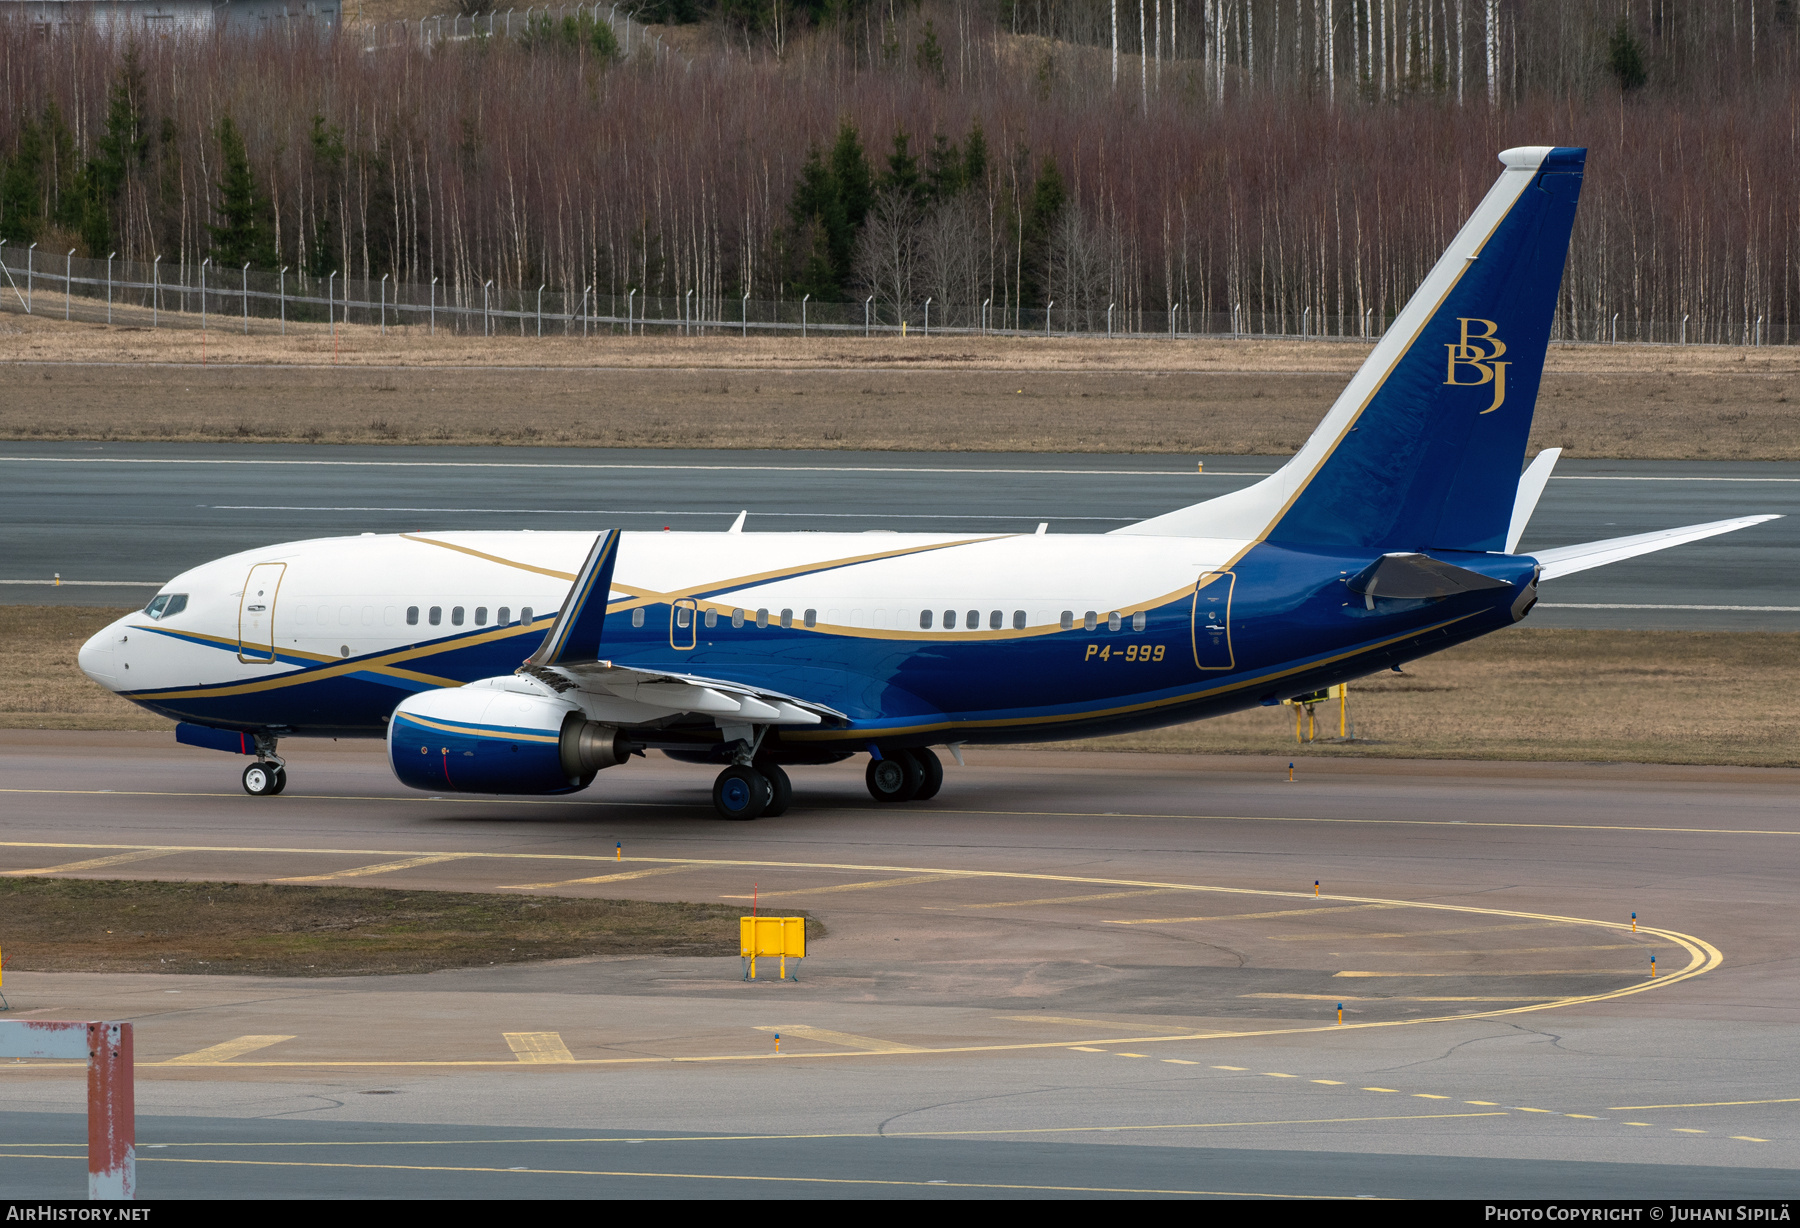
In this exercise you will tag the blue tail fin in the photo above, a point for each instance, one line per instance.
(1424, 447)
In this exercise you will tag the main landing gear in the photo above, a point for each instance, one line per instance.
(754, 791)
(268, 775)
(905, 776)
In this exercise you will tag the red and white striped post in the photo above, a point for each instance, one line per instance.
(112, 1100)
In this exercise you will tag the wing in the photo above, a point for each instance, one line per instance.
(635, 695)
(1566, 560)
(569, 662)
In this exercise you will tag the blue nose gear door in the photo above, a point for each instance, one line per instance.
(1212, 620)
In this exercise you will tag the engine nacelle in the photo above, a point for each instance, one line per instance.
(490, 738)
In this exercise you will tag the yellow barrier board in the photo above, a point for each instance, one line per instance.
(782, 938)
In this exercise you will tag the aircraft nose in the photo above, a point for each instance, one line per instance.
(96, 658)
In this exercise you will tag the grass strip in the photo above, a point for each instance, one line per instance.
(264, 929)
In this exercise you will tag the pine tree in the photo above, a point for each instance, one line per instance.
(21, 187)
(247, 235)
(1625, 57)
(121, 149)
(902, 174)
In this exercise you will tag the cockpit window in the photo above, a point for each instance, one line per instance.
(164, 604)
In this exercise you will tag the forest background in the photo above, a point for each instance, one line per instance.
(1282, 157)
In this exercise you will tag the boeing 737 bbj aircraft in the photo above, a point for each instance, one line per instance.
(1389, 536)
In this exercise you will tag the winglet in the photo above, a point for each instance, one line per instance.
(1531, 489)
(575, 636)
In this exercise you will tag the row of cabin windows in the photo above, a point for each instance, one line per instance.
(435, 615)
(996, 619)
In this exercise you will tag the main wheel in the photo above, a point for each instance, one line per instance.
(262, 779)
(741, 793)
(781, 790)
(934, 774)
(280, 779)
(894, 778)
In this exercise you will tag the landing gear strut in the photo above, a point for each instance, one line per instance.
(268, 775)
(904, 776)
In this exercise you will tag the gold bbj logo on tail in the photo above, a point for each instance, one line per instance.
(1475, 354)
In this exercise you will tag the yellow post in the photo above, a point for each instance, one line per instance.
(619, 851)
(1653, 967)
(1344, 710)
(1297, 708)
(1340, 1014)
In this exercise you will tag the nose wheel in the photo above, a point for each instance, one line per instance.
(264, 779)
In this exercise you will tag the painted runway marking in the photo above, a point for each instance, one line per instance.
(867, 1044)
(538, 1048)
(1748, 609)
(936, 876)
(1338, 997)
(1344, 934)
(386, 867)
(725, 514)
(215, 1055)
(1704, 1104)
(1526, 972)
(95, 863)
(641, 468)
(1249, 916)
(1061, 899)
(653, 872)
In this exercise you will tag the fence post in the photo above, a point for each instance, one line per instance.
(1759, 330)
(28, 263)
(687, 313)
(585, 291)
(866, 305)
(434, 282)
(1109, 311)
(540, 311)
(985, 304)
(69, 282)
(630, 299)
(109, 260)
(155, 288)
(1048, 308)
(803, 299)
(1173, 312)
(246, 293)
(1613, 336)
(203, 265)
(330, 312)
(746, 304)
(281, 297)
(1306, 323)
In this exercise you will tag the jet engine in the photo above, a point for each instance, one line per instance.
(498, 736)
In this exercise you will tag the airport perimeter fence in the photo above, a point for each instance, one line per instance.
(163, 294)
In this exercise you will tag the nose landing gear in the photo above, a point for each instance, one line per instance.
(268, 775)
(263, 779)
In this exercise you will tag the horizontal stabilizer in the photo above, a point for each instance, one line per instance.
(1531, 489)
(575, 636)
(1415, 576)
(1566, 560)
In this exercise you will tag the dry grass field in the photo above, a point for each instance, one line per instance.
(265, 929)
(1632, 696)
(91, 381)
